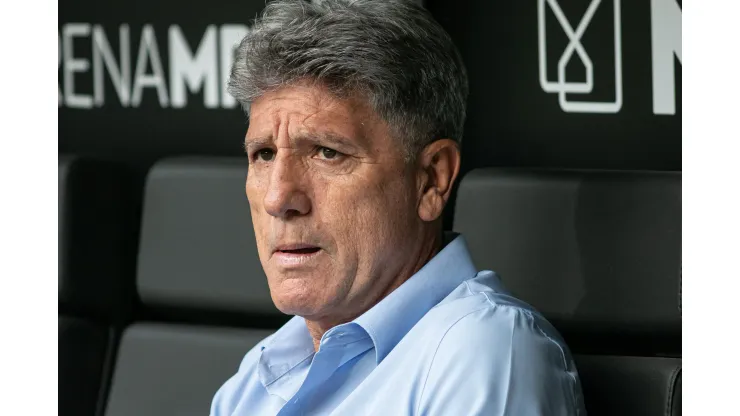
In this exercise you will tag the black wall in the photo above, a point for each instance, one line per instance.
(512, 120)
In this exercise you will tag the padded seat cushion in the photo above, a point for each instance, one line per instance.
(591, 250)
(198, 247)
(174, 370)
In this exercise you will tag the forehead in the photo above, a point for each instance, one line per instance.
(312, 109)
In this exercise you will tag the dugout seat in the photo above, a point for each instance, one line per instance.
(197, 259)
(599, 254)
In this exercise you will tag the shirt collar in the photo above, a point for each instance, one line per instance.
(386, 323)
(390, 319)
(289, 346)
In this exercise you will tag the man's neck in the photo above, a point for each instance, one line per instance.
(432, 246)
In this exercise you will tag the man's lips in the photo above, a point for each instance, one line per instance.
(291, 256)
(296, 248)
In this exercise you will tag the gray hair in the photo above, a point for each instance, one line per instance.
(391, 51)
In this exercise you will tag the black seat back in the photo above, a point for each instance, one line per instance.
(197, 259)
(599, 253)
(594, 251)
(198, 246)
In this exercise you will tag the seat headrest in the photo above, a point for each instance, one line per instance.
(589, 249)
(198, 248)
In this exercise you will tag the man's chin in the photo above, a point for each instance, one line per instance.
(297, 305)
(302, 294)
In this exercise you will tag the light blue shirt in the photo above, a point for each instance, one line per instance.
(449, 341)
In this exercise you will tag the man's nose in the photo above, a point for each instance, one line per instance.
(286, 196)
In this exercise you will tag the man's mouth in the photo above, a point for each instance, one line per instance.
(304, 250)
(296, 255)
(297, 248)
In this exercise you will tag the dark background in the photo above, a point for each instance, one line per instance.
(511, 120)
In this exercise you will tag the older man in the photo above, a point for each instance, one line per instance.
(356, 111)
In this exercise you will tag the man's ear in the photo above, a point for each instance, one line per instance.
(438, 164)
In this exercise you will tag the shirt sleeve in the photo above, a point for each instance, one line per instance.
(500, 361)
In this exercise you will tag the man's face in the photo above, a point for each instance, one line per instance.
(334, 205)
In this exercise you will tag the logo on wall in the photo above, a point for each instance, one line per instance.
(665, 17)
(575, 47)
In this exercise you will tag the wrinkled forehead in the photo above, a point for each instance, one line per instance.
(301, 110)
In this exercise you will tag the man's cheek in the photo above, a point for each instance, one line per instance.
(262, 243)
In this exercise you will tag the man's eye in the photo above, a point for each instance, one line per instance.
(265, 154)
(327, 153)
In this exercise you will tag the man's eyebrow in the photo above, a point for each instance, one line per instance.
(256, 142)
(328, 139)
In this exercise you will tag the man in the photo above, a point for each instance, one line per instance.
(356, 111)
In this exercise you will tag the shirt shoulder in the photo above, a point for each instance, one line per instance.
(497, 354)
(485, 296)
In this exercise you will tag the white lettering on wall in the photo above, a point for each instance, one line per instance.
(229, 36)
(193, 71)
(666, 40)
(103, 58)
(148, 52)
(73, 65)
(206, 69)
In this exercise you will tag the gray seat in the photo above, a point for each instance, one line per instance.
(98, 209)
(197, 244)
(197, 256)
(599, 253)
(174, 370)
(591, 250)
